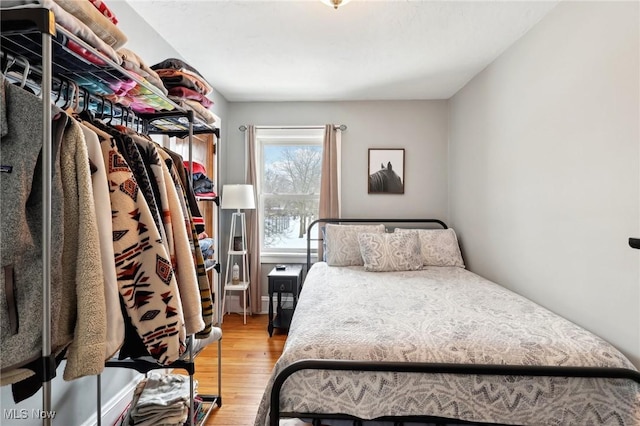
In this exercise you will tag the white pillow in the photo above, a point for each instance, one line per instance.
(439, 247)
(390, 252)
(342, 243)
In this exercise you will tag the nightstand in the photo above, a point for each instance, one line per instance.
(288, 280)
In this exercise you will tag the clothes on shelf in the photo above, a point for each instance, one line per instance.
(160, 399)
(102, 26)
(182, 92)
(127, 272)
(80, 28)
(104, 9)
(207, 246)
(186, 87)
(127, 275)
(202, 185)
(132, 62)
(197, 107)
(183, 68)
(93, 24)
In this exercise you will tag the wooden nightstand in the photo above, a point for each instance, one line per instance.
(288, 280)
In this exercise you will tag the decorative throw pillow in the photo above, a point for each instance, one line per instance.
(439, 247)
(342, 243)
(390, 252)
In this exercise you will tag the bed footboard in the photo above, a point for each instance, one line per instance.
(417, 367)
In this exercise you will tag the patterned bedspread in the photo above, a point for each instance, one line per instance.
(447, 315)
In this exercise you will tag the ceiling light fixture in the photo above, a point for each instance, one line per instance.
(335, 3)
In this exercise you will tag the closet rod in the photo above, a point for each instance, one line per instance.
(341, 127)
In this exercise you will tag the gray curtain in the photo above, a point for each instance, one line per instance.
(330, 177)
(253, 228)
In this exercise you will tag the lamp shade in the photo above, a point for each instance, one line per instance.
(238, 197)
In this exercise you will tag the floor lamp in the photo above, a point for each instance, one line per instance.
(238, 197)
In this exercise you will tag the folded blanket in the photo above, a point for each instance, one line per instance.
(201, 112)
(68, 22)
(102, 8)
(132, 62)
(96, 21)
(186, 93)
(179, 78)
(176, 64)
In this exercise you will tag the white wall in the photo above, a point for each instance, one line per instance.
(152, 48)
(545, 167)
(420, 127)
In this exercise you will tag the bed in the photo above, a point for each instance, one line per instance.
(437, 344)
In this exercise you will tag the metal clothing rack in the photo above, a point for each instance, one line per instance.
(33, 35)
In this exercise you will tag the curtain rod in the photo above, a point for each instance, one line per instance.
(341, 127)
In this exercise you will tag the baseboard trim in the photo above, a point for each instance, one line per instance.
(112, 409)
(233, 303)
(265, 303)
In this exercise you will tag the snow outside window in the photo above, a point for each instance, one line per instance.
(290, 162)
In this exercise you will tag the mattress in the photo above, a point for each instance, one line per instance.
(443, 315)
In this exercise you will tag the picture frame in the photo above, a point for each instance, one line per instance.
(237, 243)
(386, 171)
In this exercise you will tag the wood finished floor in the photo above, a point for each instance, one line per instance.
(248, 356)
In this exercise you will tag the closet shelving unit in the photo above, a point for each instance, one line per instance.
(32, 35)
(207, 155)
(165, 123)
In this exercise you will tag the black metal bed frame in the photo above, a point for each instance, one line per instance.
(335, 220)
(417, 367)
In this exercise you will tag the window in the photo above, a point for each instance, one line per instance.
(290, 163)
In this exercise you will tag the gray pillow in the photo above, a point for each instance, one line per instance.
(343, 248)
(390, 252)
(439, 247)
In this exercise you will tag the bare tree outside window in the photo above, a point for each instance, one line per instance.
(290, 194)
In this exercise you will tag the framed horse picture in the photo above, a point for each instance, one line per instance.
(386, 171)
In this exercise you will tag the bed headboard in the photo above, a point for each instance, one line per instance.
(389, 223)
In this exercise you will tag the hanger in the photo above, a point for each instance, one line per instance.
(26, 68)
(68, 97)
(74, 99)
(110, 109)
(85, 99)
(17, 76)
(59, 94)
(8, 65)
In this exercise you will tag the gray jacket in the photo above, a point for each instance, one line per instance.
(21, 228)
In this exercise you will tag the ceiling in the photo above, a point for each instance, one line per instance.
(303, 50)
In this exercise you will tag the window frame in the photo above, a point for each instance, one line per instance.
(282, 137)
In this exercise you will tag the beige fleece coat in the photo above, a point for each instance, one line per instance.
(81, 258)
(115, 320)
